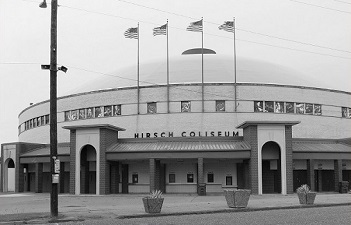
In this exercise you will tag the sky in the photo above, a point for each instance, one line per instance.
(312, 37)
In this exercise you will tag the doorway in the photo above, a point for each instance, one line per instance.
(88, 170)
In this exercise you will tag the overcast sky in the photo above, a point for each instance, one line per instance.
(311, 37)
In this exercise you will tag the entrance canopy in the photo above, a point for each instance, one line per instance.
(179, 148)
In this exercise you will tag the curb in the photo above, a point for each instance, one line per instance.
(230, 210)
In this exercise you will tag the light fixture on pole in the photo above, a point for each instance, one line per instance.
(43, 4)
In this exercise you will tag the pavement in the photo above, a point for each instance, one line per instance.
(34, 208)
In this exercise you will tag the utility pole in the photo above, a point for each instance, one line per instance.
(54, 161)
(53, 108)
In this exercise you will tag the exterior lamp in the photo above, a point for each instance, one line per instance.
(43, 4)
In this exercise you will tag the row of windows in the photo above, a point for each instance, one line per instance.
(93, 112)
(345, 112)
(189, 178)
(288, 107)
(37, 122)
(116, 110)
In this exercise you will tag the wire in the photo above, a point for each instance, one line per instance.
(253, 32)
(323, 7)
(343, 2)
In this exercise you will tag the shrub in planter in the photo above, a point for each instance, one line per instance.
(237, 198)
(153, 203)
(306, 196)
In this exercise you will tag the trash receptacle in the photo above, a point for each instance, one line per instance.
(343, 186)
(201, 189)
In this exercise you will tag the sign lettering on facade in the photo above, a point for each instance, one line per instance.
(187, 134)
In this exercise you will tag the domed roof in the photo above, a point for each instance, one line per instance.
(187, 69)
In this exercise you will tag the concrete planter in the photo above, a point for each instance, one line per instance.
(152, 205)
(307, 198)
(237, 198)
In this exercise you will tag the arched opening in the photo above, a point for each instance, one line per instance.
(9, 175)
(88, 170)
(271, 168)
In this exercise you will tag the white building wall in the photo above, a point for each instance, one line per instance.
(181, 169)
(329, 125)
(220, 170)
(142, 169)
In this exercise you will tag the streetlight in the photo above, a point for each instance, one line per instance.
(54, 162)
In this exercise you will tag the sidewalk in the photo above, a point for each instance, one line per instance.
(35, 208)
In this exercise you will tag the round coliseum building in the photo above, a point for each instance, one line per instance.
(271, 132)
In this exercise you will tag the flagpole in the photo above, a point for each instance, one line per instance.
(167, 71)
(138, 72)
(202, 64)
(235, 84)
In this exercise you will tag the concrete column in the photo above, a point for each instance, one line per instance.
(337, 173)
(39, 177)
(152, 167)
(310, 174)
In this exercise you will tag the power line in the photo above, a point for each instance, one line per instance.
(343, 2)
(244, 30)
(319, 6)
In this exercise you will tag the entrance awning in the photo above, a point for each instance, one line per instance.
(320, 149)
(41, 155)
(180, 148)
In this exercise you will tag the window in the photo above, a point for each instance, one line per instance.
(108, 111)
(344, 112)
(151, 107)
(90, 113)
(190, 178)
(99, 111)
(74, 115)
(185, 106)
(135, 178)
(220, 106)
(317, 109)
(309, 108)
(42, 120)
(289, 107)
(269, 106)
(210, 177)
(300, 108)
(47, 119)
(171, 177)
(228, 180)
(279, 107)
(34, 122)
(258, 106)
(116, 110)
(82, 114)
(38, 121)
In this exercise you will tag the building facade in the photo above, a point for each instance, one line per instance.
(179, 139)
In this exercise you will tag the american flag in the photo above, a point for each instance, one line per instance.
(131, 33)
(227, 26)
(162, 30)
(195, 26)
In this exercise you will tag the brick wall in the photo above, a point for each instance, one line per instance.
(289, 159)
(72, 173)
(107, 138)
(250, 136)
